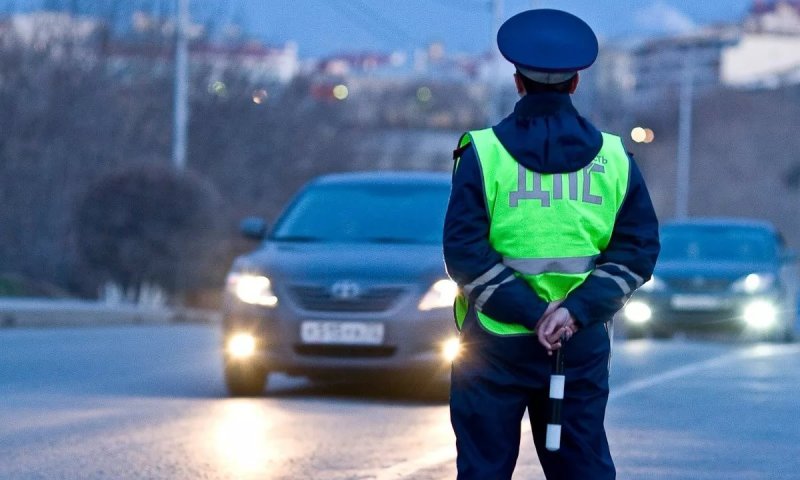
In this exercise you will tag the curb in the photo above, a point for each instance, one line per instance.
(41, 313)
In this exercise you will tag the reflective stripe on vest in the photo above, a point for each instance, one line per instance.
(535, 266)
(549, 228)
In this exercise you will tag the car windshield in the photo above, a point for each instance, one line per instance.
(721, 243)
(375, 213)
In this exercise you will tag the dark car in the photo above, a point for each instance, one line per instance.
(718, 274)
(350, 280)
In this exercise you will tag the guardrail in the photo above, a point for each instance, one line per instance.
(36, 312)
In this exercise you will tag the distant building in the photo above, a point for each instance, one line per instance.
(432, 62)
(361, 63)
(613, 69)
(762, 60)
(261, 62)
(53, 31)
(774, 16)
(768, 54)
(762, 52)
(148, 44)
(656, 66)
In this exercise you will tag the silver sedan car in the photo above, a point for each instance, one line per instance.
(350, 280)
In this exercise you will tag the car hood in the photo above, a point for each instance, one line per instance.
(716, 269)
(322, 262)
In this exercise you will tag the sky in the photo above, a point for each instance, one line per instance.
(323, 27)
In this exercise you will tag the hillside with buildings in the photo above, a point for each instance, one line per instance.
(85, 99)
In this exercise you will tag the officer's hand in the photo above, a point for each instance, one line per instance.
(551, 307)
(553, 327)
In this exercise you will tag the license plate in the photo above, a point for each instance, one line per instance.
(696, 302)
(341, 333)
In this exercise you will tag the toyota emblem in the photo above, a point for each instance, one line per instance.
(698, 282)
(345, 290)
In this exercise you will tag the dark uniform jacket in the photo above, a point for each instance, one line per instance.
(547, 135)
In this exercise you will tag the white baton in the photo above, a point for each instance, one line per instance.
(557, 380)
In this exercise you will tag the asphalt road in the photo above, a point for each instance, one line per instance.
(148, 402)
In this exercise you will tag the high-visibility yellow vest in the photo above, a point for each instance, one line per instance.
(549, 228)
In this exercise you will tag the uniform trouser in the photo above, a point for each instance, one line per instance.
(490, 392)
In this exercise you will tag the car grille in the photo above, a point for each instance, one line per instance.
(695, 284)
(319, 299)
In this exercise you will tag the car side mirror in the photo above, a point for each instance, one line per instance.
(254, 228)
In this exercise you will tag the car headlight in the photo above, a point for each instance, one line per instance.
(754, 283)
(760, 314)
(655, 284)
(638, 312)
(441, 294)
(251, 288)
(451, 348)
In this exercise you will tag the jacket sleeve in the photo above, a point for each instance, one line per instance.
(490, 286)
(626, 264)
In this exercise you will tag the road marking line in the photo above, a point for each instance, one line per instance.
(692, 368)
(407, 469)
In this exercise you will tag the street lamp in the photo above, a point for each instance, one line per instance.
(181, 102)
(684, 159)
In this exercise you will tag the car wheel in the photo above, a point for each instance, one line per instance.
(788, 334)
(663, 334)
(778, 335)
(635, 333)
(244, 380)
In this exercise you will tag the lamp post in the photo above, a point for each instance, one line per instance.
(181, 110)
(684, 138)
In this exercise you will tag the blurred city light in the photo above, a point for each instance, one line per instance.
(642, 135)
(340, 92)
(638, 134)
(218, 88)
(259, 96)
(424, 94)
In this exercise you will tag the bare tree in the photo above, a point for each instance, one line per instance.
(149, 225)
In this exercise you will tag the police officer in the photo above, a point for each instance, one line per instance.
(549, 230)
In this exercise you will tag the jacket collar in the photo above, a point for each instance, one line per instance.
(543, 104)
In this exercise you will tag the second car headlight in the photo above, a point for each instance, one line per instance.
(252, 288)
(638, 312)
(754, 283)
(760, 314)
(441, 294)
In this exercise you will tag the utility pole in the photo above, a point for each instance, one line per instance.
(497, 20)
(685, 138)
(181, 110)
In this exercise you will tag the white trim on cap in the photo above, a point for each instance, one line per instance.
(546, 77)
